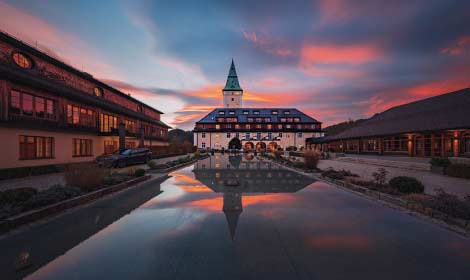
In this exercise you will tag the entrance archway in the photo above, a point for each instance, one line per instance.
(249, 146)
(272, 146)
(235, 143)
(260, 146)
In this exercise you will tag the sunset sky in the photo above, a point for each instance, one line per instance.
(331, 59)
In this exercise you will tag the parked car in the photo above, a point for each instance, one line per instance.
(125, 157)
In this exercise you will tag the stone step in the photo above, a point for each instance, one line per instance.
(388, 163)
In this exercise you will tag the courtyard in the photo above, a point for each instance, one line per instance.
(233, 217)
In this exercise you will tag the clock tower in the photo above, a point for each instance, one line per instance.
(232, 91)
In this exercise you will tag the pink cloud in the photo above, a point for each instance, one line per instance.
(462, 45)
(270, 45)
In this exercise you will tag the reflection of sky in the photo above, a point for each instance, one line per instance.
(334, 59)
(319, 232)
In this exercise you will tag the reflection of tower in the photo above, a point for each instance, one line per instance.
(232, 209)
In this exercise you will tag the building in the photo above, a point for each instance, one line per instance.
(52, 113)
(436, 126)
(237, 176)
(255, 128)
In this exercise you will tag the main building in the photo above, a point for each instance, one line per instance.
(255, 128)
(52, 113)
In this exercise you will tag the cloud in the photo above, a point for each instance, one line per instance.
(462, 45)
(53, 41)
(276, 47)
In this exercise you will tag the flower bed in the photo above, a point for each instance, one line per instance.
(80, 180)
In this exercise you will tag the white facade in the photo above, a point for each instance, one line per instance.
(232, 99)
(219, 140)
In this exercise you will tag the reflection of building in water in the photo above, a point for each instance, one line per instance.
(235, 175)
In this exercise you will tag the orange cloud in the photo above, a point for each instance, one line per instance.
(269, 45)
(462, 45)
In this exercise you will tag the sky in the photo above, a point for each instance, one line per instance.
(333, 59)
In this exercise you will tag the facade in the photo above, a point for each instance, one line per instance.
(255, 128)
(52, 113)
(436, 126)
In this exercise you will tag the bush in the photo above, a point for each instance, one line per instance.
(139, 172)
(15, 196)
(440, 162)
(333, 174)
(380, 176)
(299, 164)
(291, 149)
(406, 184)
(450, 204)
(278, 154)
(87, 177)
(311, 159)
(458, 170)
(151, 164)
(51, 195)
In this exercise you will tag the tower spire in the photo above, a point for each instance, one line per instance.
(232, 79)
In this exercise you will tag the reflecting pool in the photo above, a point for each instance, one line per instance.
(236, 217)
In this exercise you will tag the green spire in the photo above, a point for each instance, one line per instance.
(232, 79)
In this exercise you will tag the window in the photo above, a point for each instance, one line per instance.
(231, 112)
(247, 126)
(203, 135)
(140, 109)
(286, 112)
(245, 112)
(232, 99)
(82, 147)
(258, 135)
(273, 112)
(80, 116)
(280, 135)
(22, 60)
(228, 135)
(299, 126)
(107, 123)
(221, 112)
(30, 105)
(110, 147)
(237, 126)
(98, 92)
(237, 135)
(270, 135)
(247, 136)
(130, 126)
(299, 135)
(296, 119)
(250, 119)
(217, 126)
(267, 119)
(36, 147)
(288, 126)
(279, 126)
(256, 112)
(269, 126)
(203, 145)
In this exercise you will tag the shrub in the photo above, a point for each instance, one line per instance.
(440, 162)
(151, 164)
(406, 184)
(15, 196)
(299, 164)
(458, 170)
(333, 174)
(87, 177)
(380, 176)
(49, 196)
(311, 159)
(278, 154)
(450, 204)
(139, 172)
(291, 149)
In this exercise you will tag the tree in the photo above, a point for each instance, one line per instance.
(235, 143)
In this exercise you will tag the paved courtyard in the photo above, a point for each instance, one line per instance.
(431, 181)
(43, 182)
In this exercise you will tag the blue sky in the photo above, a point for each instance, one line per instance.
(332, 59)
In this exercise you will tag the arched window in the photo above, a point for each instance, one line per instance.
(22, 60)
(98, 91)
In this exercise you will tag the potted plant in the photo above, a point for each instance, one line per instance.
(439, 164)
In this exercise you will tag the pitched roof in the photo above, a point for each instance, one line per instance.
(446, 111)
(244, 113)
(232, 79)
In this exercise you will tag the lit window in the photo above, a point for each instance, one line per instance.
(269, 126)
(221, 112)
(245, 112)
(22, 60)
(217, 126)
(256, 112)
(231, 112)
(274, 112)
(98, 91)
(286, 112)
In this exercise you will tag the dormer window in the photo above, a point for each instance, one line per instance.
(140, 109)
(245, 112)
(286, 112)
(231, 112)
(98, 92)
(256, 112)
(221, 112)
(274, 112)
(22, 60)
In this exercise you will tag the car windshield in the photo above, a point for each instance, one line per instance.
(126, 152)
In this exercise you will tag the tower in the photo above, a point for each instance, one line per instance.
(232, 91)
